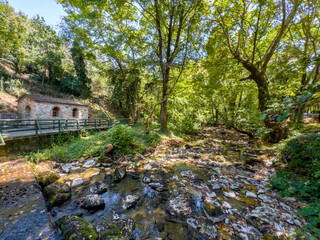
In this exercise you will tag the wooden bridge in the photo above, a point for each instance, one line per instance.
(17, 128)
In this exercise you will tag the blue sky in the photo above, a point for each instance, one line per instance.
(50, 10)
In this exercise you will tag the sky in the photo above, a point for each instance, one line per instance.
(50, 10)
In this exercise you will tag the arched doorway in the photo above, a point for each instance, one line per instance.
(75, 113)
(27, 112)
(55, 112)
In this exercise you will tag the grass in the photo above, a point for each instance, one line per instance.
(90, 145)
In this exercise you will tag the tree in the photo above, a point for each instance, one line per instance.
(80, 67)
(173, 27)
(253, 32)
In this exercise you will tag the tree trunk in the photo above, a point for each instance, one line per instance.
(163, 111)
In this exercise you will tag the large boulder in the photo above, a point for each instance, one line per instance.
(75, 228)
(117, 229)
(91, 202)
(57, 193)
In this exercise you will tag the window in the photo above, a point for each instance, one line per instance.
(55, 112)
(75, 113)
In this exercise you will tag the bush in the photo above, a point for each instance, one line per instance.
(302, 154)
(122, 138)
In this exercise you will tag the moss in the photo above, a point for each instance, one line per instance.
(86, 231)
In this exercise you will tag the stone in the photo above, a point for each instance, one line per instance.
(215, 186)
(89, 164)
(117, 229)
(91, 202)
(214, 213)
(261, 223)
(179, 206)
(130, 201)
(230, 194)
(77, 182)
(251, 194)
(99, 187)
(45, 174)
(57, 193)
(187, 174)
(107, 149)
(73, 227)
(226, 205)
(201, 229)
(147, 167)
(119, 174)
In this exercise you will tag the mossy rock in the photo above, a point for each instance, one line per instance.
(117, 229)
(45, 174)
(57, 193)
(74, 228)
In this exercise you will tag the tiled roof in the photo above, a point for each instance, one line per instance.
(39, 98)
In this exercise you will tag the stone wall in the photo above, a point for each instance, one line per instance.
(41, 110)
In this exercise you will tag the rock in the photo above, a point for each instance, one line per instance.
(73, 227)
(130, 201)
(57, 193)
(91, 202)
(77, 182)
(187, 174)
(108, 149)
(157, 186)
(215, 186)
(117, 229)
(251, 195)
(200, 229)
(147, 167)
(106, 160)
(99, 187)
(45, 174)
(179, 206)
(196, 156)
(214, 213)
(230, 194)
(266, 199)
(226, 205)
(261, 223)
(89, 164)
(119, 174)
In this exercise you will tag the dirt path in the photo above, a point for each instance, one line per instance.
(23, 214)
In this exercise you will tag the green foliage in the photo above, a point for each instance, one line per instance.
(122, 138)
(301, 179)
(304, 189)
(302, 153)
(126, 139)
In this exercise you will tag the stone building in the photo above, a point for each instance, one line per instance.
(41, 107)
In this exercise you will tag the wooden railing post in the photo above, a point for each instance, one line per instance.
(1, 125)
(95, 123)
(36, 126)
(59, 125)
(78, 124)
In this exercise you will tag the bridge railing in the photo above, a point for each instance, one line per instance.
(40, 126)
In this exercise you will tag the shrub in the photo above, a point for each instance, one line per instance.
(122, 138)
(302, 153)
